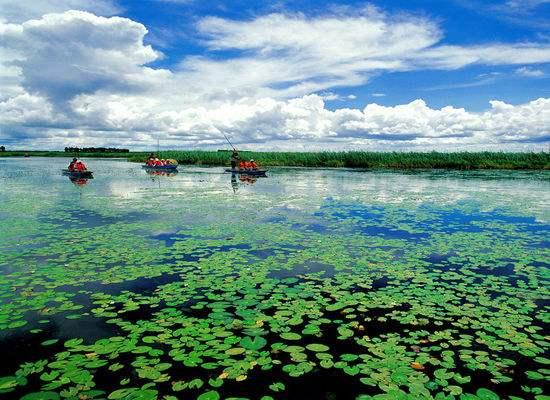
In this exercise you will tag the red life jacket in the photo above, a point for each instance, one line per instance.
(80, 166)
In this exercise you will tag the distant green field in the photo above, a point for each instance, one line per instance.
(351, 159)
(39, 153)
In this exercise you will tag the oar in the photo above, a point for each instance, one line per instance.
(229, 142)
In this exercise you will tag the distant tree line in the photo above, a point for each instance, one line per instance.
(95, 150)
(2, 148)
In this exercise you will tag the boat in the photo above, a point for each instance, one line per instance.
(250, 172)
(77, 174)
(167, 168)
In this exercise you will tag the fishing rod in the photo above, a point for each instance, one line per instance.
(229, 142)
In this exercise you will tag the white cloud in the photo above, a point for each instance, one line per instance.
(262, 122)
(530, 72)
(63, 55)
(78, 78)
(378, 95)
(524, 5)
(22, 10)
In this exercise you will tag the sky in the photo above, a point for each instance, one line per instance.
(301, 75)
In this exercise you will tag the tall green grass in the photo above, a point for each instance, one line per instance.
(349, 159)
(361, 159)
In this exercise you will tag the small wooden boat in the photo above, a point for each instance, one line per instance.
(167, 168)
(77, 174)
(250, 172)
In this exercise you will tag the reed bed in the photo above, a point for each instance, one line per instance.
(362, 159)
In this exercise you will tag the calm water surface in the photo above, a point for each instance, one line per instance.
(308, 284)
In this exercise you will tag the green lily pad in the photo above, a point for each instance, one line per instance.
(317, 347)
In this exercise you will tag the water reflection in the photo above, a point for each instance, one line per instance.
(79, 181)
(152, 172)
(119, 183)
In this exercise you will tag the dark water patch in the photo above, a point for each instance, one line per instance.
(140, 285)
(439, 259)
(230, 247)
(498, 270)
(24, 346)
(275, 219)
(392, 233)
(306, 268)
(380, 283)
(311, 227)
(263, 254)
(326, 384)
(453, 221)
(170, 239)
(539, 245)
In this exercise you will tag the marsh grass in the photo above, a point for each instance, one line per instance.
(360, 159)
(349, 159)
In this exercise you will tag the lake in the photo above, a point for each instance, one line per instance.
(307, 284)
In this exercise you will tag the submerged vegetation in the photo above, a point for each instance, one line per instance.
(350, 159)
(427, 290)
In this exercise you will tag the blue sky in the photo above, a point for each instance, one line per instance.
(288, 74)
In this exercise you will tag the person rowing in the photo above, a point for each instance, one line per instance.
(77, 166)
(235, 158)
(72, 164)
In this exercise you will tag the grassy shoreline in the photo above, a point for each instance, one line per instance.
(353, 159)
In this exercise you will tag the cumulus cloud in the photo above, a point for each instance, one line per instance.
(23, 10)
(63, 55)
(79, 78)
(261, 122)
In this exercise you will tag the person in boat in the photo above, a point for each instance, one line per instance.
(150, 160)
(242, 165)
(80, 166)
(72, 165)
(253, 165)
(235, 158)
(248, 165)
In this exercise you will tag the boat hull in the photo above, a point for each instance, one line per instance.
(254, 172)
(77, 174)
(171, 168)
